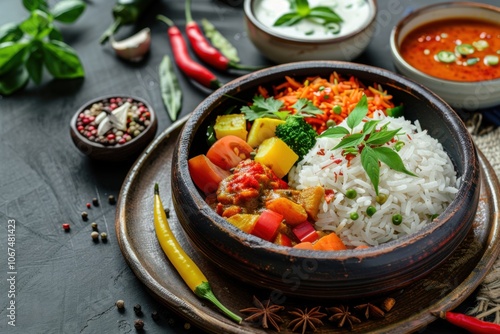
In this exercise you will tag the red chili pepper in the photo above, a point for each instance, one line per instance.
(204, 50)
(473, 325)
(188, 66)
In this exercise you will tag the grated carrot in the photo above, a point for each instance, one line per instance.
(327, 93)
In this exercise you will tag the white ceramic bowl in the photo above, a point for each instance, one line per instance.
(463, 95)
(284, 48)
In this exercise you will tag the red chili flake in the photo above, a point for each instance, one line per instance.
(65, 226)
(329, 195)
(321, 151)
(336, 176)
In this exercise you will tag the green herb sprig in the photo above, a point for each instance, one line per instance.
(300, 10)
(368, 143)
(271, 108)
(28, 46)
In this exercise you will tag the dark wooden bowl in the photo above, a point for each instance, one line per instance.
(127, 151)
(316, 274)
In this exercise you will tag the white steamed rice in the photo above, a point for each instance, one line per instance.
(415, 198)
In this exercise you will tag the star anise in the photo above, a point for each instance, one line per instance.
(370, 310)
(341, 315)
(265, 313)
(306, 319)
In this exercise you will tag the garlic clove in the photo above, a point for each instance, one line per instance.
(117, 119)
(133, 48)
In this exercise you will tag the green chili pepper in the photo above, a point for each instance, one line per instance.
(171, 92)
(491, 60)
(185, 266)
(125, 12)
(472, 61)
(219, 41)
(481, 44)
(464, 49)
(446, 57)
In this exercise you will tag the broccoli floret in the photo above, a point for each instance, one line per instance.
(297, 134)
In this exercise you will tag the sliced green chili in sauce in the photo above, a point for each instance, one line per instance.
(464, 49)
(491, 60)
(446, 57)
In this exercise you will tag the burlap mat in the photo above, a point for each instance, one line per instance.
(488, 297)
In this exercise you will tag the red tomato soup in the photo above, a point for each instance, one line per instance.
(456, 49)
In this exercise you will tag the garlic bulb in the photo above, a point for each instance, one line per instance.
(134, 47)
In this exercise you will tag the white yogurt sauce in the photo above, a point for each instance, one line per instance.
(354, 13)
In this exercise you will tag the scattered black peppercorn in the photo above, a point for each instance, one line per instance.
(95, 202)
(104, 236)
(94, 226)
(111, 199)
(139, 324)
(120, 304)
(155, 315)
(137, 309)
(94, 236)
(85, 215)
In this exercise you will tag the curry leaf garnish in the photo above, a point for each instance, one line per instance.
(300, 10)
(368, 142)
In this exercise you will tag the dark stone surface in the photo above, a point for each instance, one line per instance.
(65, 282)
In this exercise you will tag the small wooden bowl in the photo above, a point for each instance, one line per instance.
(316, 274)
(118, 152)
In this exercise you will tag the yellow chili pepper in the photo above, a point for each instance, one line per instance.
(185, 266)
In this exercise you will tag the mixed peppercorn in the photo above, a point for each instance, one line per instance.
(90, 122)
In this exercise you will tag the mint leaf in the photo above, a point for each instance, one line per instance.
(288, 19)
(326, 14)
(391, 159)
(358, 113)
(302, 7)
(369, 161)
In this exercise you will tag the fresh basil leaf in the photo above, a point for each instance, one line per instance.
(358, 113)
(335, 132)
(32, 5)
(381, 137)
(369, 126)
(170, 88)
(369, 161)
(391, 159)
(37, 25)
(34, 65)
(12, 55)
(61, 60)
(10, 32)
(302, 7)
(13, 80)
(55, 34)
(351, 141)
(288, 19)
(68, 11)
(219, 41)
(326, 14)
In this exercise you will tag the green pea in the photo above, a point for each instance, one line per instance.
(370, 211)
(381, 198)
(351, 193)
(354, 215)
(397, 219)
(337, 109)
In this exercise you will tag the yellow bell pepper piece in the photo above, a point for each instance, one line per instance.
(262, 128)
(275, 154)
(232, 124)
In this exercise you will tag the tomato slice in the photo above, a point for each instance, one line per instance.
(205, 174)
(228, 151)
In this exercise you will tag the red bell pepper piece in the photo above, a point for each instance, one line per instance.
(283, 240)
(305, 232)
(267, 225)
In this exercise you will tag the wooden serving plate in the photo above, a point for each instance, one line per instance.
(444, 289)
